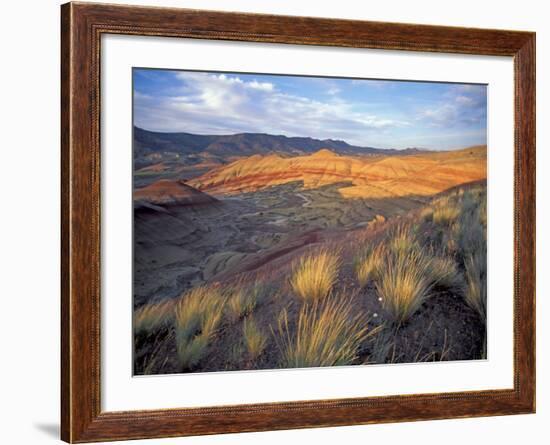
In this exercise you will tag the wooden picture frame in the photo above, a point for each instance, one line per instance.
(82, 25)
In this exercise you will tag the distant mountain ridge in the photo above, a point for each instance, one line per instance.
(152, 147)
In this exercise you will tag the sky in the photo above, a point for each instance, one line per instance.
(374, 113)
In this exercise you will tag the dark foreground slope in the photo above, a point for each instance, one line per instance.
(447, 230)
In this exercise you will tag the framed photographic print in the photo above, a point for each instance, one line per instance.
(275, 222)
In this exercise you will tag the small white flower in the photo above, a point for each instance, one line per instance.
(375, 315)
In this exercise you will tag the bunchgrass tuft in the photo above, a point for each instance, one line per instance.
(469, 238)
(157, 358)
(315, 274)
(243, 298)
(153, 317)
(211, 320)
(444, 273)
(402, 240)
(327, 333)
(197, 316)
(471, 232)
(446, 211)
(368, 264)
(241, 302)
(192, 350)
(254, 339)
(483, 212)
(405, 283)
(476, 282)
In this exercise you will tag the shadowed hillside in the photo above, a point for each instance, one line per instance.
(410, 288)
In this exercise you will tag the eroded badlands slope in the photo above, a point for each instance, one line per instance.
(379, 176)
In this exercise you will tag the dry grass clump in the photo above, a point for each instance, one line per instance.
(315, 274)
(476, 282)
(192, 350)
(402, 240)
(376, 221)
(369, 263)
(446, 211)
(472, 242)
(483, 212)
(157, 357)
(471, 232)
(406, 279)
(405, 283)
(241, 302)
(152, 317)
(197, 316)
(243, 299)
(327, 333)
(444, 272)
(254, 339)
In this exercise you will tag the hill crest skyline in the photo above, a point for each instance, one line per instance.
(329, 141)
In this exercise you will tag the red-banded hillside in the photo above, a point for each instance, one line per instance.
(378, 177)
(168, 192)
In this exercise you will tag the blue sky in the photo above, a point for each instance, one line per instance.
(377, 113)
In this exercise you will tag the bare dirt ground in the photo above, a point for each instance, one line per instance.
(183, 246)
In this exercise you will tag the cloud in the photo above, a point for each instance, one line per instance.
(383, 114)
(464, 100)
(462, 105)
(265, 86)
(210, 103)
